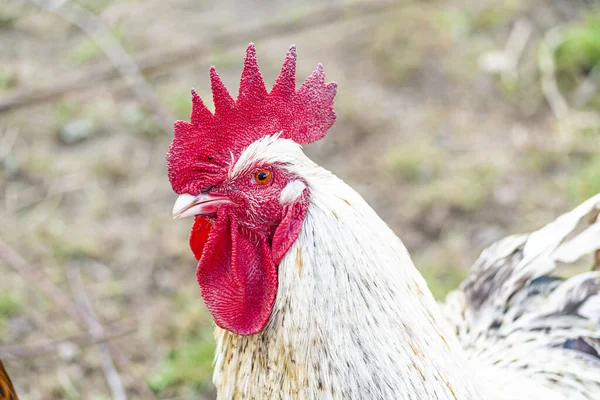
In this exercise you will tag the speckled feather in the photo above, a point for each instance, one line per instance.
(513, 313)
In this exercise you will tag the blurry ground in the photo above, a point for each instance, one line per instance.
(450, 153)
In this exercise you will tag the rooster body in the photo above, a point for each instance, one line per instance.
(354, 319)
(315, 297)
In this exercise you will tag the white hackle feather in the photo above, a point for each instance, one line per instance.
(291, 192)
(354, 319)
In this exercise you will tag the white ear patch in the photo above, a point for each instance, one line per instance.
(291, 192)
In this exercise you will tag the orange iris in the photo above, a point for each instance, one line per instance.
(262, 176)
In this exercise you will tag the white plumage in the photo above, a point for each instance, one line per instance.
(354, 319)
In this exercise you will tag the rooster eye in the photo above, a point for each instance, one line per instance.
(262, 176)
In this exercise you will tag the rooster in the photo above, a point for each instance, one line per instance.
(314, 296)
(7, 390)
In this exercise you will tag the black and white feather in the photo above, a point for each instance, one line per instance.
(516, 313)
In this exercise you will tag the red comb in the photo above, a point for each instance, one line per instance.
(201, 150)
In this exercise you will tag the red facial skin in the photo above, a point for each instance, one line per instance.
(240, 246)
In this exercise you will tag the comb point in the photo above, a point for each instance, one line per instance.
(201, 115)
(292, 51)
(252, 86)
(221, 97)
(285, 84)
(251, 50)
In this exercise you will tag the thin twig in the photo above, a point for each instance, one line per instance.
(154, 61)
(96, 330)
(93, 27)
(123, 362)
(555, 99)
(39, 279)
(34, 350)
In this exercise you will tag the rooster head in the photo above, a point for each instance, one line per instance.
(248, 209)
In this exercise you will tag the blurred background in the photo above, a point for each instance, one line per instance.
(459, 121)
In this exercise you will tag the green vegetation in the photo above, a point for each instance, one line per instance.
(94, 6)
(10, 304)
(578, 55)
(188, 366)
(580, 49)
(67, 111)
(180, 103)
(461, 23)
(189, 363)
(7, 80)
(9, 13)
(66, 245)
(224, 58)
(110, 168)
(64, 112)
(37, 163)
(584, 182)
(416, 162)
(441, 276)
(464, 190)
(85, 51)
(494, 15)
(544, 159)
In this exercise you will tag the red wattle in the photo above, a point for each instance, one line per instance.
(236, 274)
(237, 268)
(199, 235)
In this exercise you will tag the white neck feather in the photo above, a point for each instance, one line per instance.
(353, 318)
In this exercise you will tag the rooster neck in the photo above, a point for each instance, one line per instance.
(353, 318)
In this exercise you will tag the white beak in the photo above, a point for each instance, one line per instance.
(187, 205)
